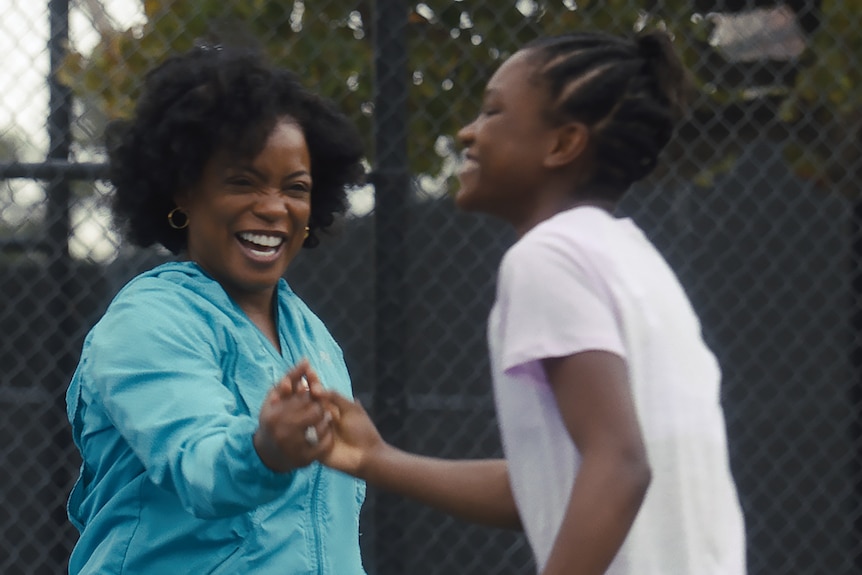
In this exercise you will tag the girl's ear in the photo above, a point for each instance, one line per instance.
(570, 142)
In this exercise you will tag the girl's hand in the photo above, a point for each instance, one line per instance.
(356, 443)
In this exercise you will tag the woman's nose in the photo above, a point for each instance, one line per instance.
(271, 205)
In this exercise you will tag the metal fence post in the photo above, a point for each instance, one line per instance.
(59, 129)
(856, 363)
(391, 180)
(58, 309)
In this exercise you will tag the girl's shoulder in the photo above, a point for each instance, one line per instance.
(579, 233)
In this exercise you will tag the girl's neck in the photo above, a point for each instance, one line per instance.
(547, 210)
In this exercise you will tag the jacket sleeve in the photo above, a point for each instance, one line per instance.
(155, 366)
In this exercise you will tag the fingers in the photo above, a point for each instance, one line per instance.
(337, 405)
(298, 370)
(315, 388)
(339, 401)
(301, 386)
(301, 413)
(325, 442)
(301, 378)
(293, 432)
(333, 412)
(321, 436)
(311, 379)
(297, 380)
(308, 411)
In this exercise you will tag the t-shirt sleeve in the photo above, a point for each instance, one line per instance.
(552, 302)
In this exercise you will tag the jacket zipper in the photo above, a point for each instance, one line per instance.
(287, 354)
(315, 524)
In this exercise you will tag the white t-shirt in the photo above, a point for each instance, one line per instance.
(584, 280)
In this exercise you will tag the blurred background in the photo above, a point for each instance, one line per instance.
(757, 206)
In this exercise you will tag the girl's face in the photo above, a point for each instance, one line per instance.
(505, 145)
(247, 218)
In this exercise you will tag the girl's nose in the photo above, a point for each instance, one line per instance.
(465, 134)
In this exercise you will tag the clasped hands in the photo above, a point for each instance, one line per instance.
(301, 421)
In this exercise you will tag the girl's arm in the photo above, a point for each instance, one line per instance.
(474, 490)
(594, 399)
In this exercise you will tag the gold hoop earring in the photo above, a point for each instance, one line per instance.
(172, 222)
(307, 232)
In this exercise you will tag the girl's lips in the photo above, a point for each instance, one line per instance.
(468, 165)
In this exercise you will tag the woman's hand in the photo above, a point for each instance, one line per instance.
(347, 438)
(290, 421)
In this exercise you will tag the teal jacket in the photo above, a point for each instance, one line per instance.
(163, 407)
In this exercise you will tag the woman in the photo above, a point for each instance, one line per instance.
(193, 462)
(607, 397)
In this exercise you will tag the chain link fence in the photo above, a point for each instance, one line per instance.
(757, 207)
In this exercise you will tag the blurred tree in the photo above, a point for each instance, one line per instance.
(22, 208)
(11, 213)
(810, 102)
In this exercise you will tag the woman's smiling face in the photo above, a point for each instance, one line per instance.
(247, 219)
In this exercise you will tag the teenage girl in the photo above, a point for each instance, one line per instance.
(607, 396)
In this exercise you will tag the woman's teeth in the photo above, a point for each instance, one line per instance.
(262, 240)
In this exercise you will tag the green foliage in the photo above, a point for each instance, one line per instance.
(325, 51)
(827, 101)
(454, 47)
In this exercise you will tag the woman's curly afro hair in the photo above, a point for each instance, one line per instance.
(211, 100)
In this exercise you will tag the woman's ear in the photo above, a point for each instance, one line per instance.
(570, 142)
(181, 199)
